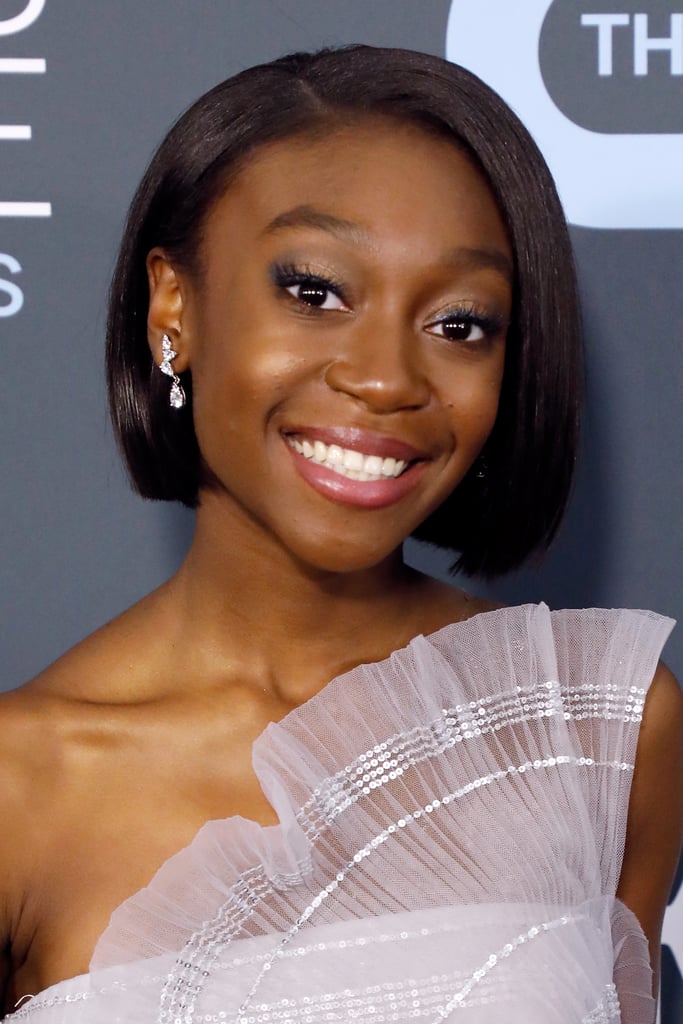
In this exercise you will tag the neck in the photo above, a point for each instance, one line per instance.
(252, 611)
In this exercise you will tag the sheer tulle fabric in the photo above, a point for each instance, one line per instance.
(452, 825)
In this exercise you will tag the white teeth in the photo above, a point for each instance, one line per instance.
(353, 460)
(348, 461)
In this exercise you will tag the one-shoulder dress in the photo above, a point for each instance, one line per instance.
(451, 832)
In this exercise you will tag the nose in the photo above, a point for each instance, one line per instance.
(381, 370)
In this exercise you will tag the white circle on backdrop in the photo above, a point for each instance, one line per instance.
(605, 180)
(31, 13)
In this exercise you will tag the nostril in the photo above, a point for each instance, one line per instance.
(378, 387)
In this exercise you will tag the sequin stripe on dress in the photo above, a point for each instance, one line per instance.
(47, 1002)
(609, 702)
(608, 1010)
(392, 1001)
(532, 933)
(388, 760)
(186, 982)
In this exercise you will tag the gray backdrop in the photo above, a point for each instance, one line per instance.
(77, 546)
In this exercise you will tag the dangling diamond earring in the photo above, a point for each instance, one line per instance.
(176, 397)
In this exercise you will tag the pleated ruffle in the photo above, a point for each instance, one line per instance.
(452, 823)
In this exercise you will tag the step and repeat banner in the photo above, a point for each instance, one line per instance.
(86, 92)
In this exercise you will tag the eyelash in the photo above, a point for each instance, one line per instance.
(287, 276)
(468, 315)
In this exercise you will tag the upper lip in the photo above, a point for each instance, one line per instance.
(369, 442)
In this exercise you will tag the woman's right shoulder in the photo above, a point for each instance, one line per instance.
(114, 664)
(37, 723)
(40, 720)
(31, 734)
(26, 744)
(44, 726)
(25, 738)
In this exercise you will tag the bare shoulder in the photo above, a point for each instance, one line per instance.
(657, 791)
(35, 722)
(655, 817)
(46, 719)
(27, 738)
(58, 733)
(116, 664)
(663, 717)
(27, 758)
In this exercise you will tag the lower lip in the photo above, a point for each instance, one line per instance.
(362, 493)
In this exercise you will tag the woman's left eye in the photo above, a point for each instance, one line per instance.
(465, 327)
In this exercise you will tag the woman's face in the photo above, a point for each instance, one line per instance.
(346, 337)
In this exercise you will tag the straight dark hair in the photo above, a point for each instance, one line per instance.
(495, 523)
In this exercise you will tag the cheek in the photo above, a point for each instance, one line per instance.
(239, 380)
(472, 402)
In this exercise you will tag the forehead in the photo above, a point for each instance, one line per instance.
(386, 178)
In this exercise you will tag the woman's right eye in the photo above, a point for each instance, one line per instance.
(317, 293)
(309, 289)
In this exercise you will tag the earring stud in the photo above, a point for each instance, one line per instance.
(176, 396)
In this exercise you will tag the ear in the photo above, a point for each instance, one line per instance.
(165, 315)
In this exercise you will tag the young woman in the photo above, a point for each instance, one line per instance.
(344, 313)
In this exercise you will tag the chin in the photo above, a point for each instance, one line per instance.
(343, 558)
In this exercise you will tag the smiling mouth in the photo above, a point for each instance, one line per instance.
(349, 462)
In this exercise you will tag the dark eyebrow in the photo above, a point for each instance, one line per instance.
(482, 259)
(305, 216)
(308, 217)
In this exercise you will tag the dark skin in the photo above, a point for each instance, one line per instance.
(286, 584)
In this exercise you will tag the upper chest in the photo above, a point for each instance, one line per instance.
(100, 813)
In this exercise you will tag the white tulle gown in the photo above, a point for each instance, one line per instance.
(451, 833)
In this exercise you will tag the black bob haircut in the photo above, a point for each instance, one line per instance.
(495, 523)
